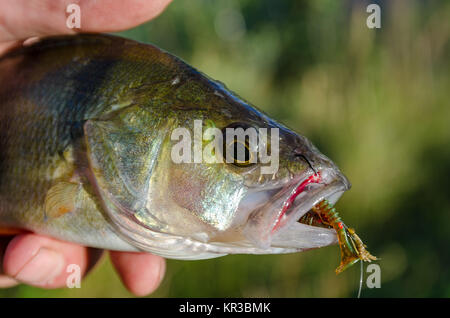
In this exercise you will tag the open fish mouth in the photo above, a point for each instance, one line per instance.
(288, 222)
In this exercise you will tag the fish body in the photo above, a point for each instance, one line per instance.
(87, 141)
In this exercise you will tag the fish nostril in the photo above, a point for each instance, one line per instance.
(299, 155)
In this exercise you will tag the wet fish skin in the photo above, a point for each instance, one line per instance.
(85, 124)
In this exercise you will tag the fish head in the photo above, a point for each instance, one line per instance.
(178, 178)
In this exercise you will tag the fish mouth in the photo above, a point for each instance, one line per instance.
(297, 202)
(287, 220)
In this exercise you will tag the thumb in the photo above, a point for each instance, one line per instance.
(21, 19)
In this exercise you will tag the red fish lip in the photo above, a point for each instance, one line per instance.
(315, 178)
(278, 217)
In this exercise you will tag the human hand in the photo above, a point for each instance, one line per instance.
(41, 261)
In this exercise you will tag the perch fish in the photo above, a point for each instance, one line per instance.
(86, 125)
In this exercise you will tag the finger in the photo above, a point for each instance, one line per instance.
(141, 273)
(5, 281)
(43, 262)
(6, 46)
(20, 19)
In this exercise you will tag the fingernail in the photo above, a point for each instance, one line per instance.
(6, 281)
(162, 270)
(42, 268)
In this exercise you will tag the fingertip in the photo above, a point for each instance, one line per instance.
(42, 261)
(141, 273)
(120, 15)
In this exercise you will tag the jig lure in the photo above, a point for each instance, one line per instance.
(352, 247)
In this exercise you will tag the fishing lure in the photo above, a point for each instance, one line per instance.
(352, 247)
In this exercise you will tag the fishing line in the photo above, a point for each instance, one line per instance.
(360, 280)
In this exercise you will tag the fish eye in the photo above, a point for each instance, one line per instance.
(240, 148)
(241, 153)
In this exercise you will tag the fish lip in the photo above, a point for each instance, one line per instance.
(328, 188)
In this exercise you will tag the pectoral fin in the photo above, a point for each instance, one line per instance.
(62, 198)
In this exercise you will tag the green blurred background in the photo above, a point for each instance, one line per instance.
(373, 100)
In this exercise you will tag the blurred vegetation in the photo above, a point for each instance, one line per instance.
(373, 100)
